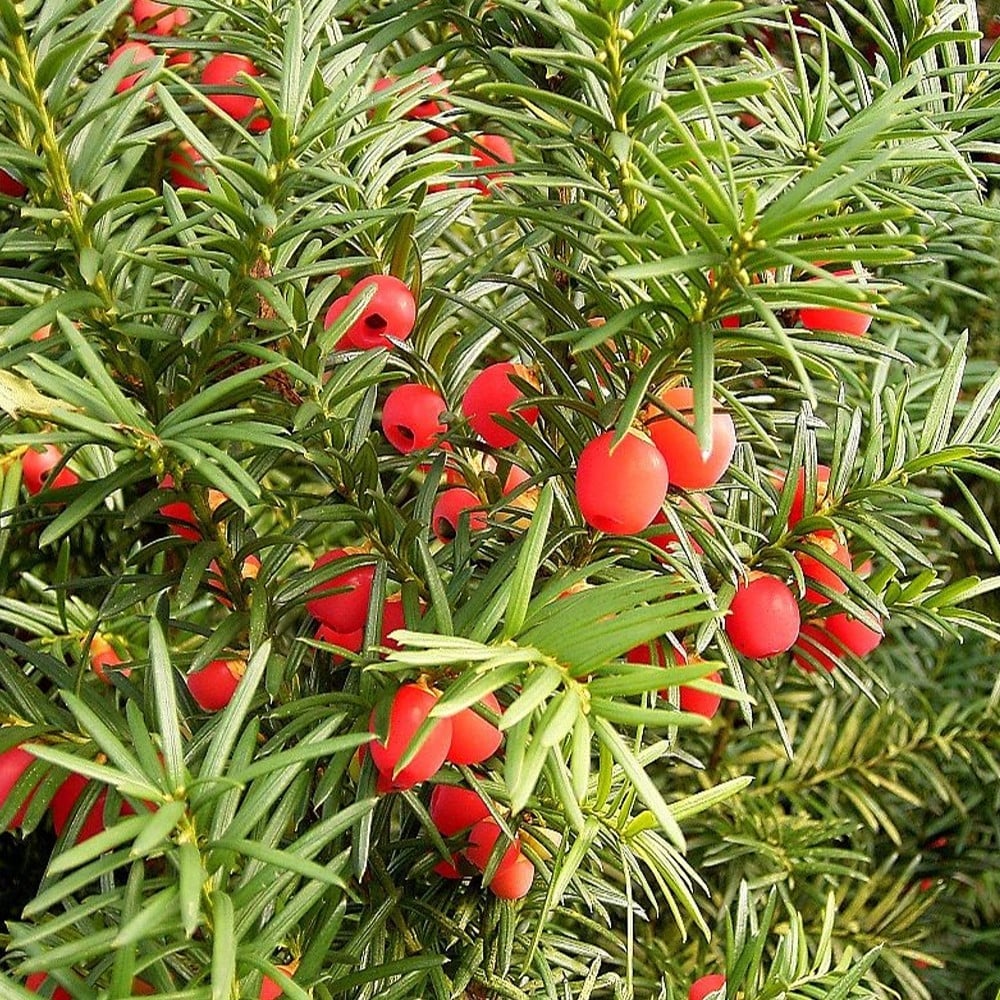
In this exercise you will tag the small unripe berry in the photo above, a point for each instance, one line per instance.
(678, 444)
(103, 654)
(620, 491)
(473, 739)
(705, 986)
(818, 572)
(37, 465)
(411, 417)
(492, 394)
(410, 707)
(214, 685)
(222, 70)
(763, 617)
(345, 611)
(449, 510)
(830, 319)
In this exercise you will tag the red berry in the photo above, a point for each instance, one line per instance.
(513, 881)
(853, 634)
(473, 739)
(177, 58)
(706, 985)
(184, 168)
(818, 572)
(641, 654)
(393, 619)
(829, 319)
(158, 18)
(620, 491)
(815, 647)
(103, 654)
(213, 686)
(37, 465)
(482, 840)
(492, 394)
(433, 105)
(411, 417)
(391, 312)
(64, 801)
(135, 54)
(13, 763)
(222, 71)
(448, 510)
(35, 984)
(259, 125)
(797, 511)
(669, 538)
(352, 641)
(410, 706)
(702, 702)
(677, 442)
(763, 617)
(337, 307)
(11, 186)
(449, 869)
(490, 151)
(454, 809)
(346, 611)
(180, 515)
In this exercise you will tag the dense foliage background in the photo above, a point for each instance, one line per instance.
(827, 834)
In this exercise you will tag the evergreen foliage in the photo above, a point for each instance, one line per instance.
(676, 165)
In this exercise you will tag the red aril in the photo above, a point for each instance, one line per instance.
(763, 618)
(13, 763)
(393, 619)
(473, 739)
(815, 647)
(346, 611)
(134, 54)
(158, 18)
(184, 169)
(492, 394)
(853, 634)
(701, 702)
(64, 801)
(222, 71)
(454, 809)
(411, 417)
(213, 686)
(482, 840)
(513, 881)
(269, 988)
(819, 572)
(490, 151)
(389, 315)
(451, 507)
(830, 319)
(670, 538)
(11, 186)
(35, 983)
(36, 466)
(180, 515)
(620, 490)
(410, 707)
(799, 497)
(248, 571)
(102, 655)
(352, 641)
(678, 445)
(705, 986)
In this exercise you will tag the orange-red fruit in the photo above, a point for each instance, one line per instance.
(65, 800)
(818, 572)
(411, 417)
(36, 466)
(213, 686)
(814, 648)
(103, 654)
(344, 612)
(180, 515)
(677, 443)
(135, 53)
(853, 634)
(222, 70)
(410, 706)
(473, 739)
(11, 186)
(490, 151)
(701, 988)
(829, 319)
(184, 168)
(13, 763)
(620, 491)
(482, 839)
(513, 881)
(702, 702)
(492, 394)
(798, 499)
(35, 984)
(449, 510)
(394, 618)
(352, 641)
(763, 617)
(389, 315)
(454, 809)
(158, 18)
